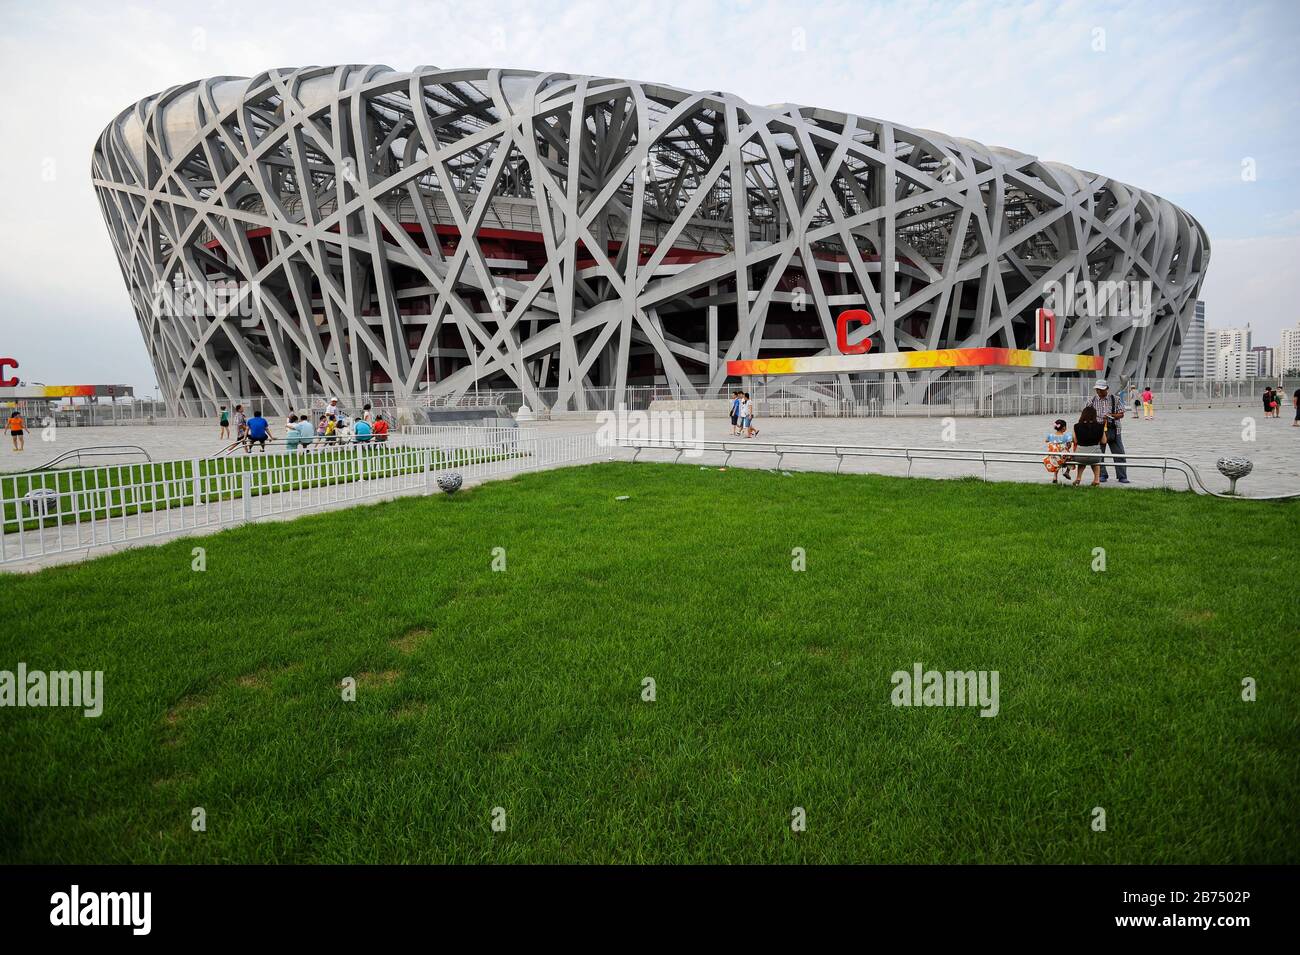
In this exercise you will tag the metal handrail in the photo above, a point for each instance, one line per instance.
(986, 456)
(93, 451)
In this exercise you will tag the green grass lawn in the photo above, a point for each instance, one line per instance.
(522, 689)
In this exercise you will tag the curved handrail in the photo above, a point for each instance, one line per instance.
(985, 456)
(93, 451)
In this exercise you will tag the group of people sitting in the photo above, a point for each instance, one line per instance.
(1096, 433)
(332, 427)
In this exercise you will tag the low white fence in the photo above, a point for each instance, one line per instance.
(466, 436)
(51, 512)
(959, 393)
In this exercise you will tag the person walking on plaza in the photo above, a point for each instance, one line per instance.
(1295, 400)
(1148, 404)
(241, 424)
(747, 416)
(735, 413)
(224, 422)
(16, 429)
(1110, 412)
(1268, 402)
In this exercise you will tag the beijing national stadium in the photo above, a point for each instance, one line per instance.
(429, 233)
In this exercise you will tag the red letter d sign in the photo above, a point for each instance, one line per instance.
(1046, 322)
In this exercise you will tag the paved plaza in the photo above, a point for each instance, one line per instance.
(1200, 436)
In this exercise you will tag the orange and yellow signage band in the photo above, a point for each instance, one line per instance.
(916, 360)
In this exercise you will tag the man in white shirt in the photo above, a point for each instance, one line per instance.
(747, 416)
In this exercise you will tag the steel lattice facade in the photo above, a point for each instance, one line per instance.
(420, 232)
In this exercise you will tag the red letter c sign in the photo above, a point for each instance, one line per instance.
(862, 317)
(6, 382)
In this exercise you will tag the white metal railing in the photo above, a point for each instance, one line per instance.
(983, 456)
(955, 393)
(95, 451)
(465, 436)
(51, 512)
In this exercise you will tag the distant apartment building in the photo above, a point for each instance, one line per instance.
(1191, 360)
(1264, 361)
(1233, 365)
(1288, 354)
(1227, 353)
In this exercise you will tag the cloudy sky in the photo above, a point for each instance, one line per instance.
(1178, 98)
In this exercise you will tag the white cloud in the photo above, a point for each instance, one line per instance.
(1255, 281)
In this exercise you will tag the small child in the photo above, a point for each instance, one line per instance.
(16, 429)
(1058, 440)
